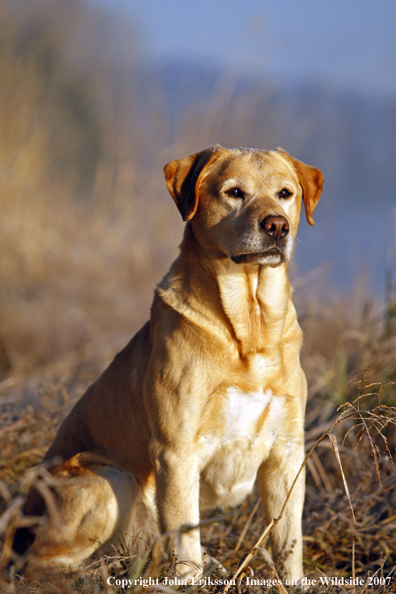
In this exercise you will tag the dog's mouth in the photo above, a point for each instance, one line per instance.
(272, 257)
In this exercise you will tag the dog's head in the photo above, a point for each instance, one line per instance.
(244, 204)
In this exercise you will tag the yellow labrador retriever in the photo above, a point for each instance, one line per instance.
(210, 393)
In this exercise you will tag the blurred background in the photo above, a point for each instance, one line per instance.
(97, 95)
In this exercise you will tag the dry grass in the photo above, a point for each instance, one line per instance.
(33, 405)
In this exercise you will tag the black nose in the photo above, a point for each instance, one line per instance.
(276, 226)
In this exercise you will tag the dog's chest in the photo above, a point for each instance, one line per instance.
(231, 456)
(242, 413)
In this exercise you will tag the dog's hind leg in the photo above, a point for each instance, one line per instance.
(89, 502)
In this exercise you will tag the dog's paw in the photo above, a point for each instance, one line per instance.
(211, 566)
(188, 570)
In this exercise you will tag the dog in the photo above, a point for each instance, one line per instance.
(209, 395)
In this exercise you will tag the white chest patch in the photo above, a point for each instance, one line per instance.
(231, 459)
(242, 412)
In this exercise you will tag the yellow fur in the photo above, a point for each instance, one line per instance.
(210, 392)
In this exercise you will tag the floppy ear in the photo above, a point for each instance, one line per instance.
(183, 177)
(311, 181)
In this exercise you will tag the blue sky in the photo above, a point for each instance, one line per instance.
(341, 43)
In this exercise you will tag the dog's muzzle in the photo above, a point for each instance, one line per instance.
(273, 247)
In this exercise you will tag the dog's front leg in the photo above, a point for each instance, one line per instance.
(276, 476)
(177, 487)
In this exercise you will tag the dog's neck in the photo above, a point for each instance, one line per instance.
(256, 300)
(252, 302)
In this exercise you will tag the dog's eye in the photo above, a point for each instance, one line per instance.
(236, 193)
(284, 193)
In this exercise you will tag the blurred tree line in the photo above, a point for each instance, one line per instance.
(82, 230)
(50, 129)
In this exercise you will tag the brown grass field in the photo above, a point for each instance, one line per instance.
(86, 230)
